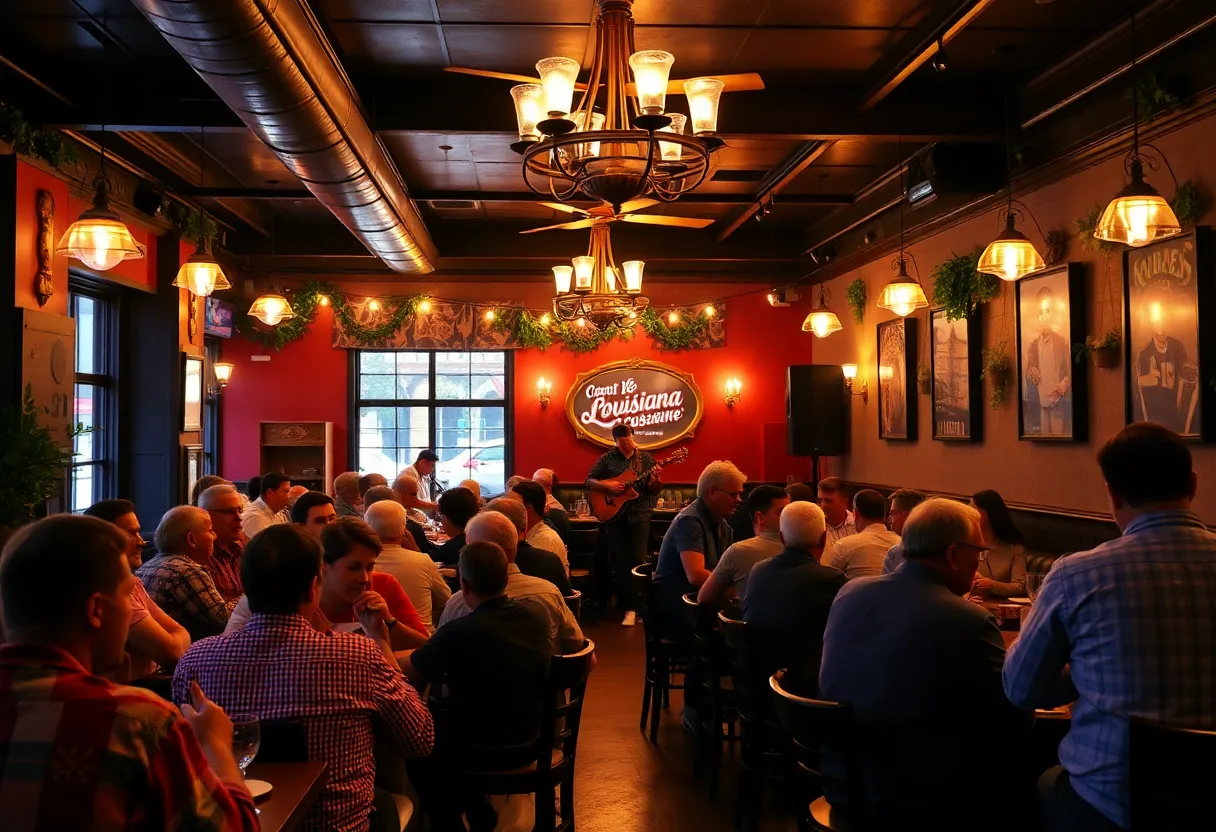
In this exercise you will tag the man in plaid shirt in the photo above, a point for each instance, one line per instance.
(344, 686)
(77, 752)
(177, 577)
(1126, 629)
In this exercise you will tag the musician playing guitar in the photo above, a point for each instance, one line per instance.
(629, 532)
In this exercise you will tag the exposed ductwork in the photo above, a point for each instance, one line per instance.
(270, 62)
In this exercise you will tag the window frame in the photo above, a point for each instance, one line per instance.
(432, 403)
(213, 422)
(105, 379)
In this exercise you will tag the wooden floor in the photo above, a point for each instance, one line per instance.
(625, 784)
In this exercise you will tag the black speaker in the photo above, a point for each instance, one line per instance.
(816, 410)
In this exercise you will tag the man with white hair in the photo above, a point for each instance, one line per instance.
(535, 593)
(417, 573)
(225, 505)
(177, 579)
(532, 560)
(921, 668)
(546, 479)
(347, 496)
(788, 599)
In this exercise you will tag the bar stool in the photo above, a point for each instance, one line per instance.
(715, 723)
(664, 657)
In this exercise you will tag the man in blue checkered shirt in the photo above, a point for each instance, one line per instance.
(1126, 629)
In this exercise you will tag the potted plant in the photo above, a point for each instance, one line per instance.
(34, 464)
(996, 367)
(856, 296)
(924, 378)
(959, 288)
(1104, 349)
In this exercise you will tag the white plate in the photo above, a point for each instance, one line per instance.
(258, 788)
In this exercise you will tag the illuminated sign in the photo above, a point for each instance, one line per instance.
(660, 403)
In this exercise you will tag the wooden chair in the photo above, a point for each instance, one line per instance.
(664, 657)
(559, 521)
(553, 752)
(574, 603)
(814, 724)
(1171, 771)
(716, 721)
(581, 551)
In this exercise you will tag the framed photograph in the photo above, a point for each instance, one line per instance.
(897, 380)
(1167, 287)
(1052, 387)
(220, 317)
(958, 393)
(192, 468)
(192, 393)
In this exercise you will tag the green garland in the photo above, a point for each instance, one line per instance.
(193, 224)
(1190, 202)
(673, 337)
(51, 146)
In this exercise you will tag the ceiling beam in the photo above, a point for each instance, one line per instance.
(500, 197)
(790, 169)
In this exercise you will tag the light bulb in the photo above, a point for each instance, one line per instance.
(424, 306)
(529, 109)
(584, 272)
(490, 315)
(557, 76)
(633, 316)
(850, 371)
(223, 373)
(821, 323)
(650, 71)
(582, 322)
(673, 317)
(373, 305)
(324, 301)
(710, 311)
(633, 275)
(671, 151)
(101, 249)
(545, 319)
(703, 96)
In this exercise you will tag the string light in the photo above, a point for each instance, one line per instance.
(633, 316)
(490, 315)
(710, 311)
(373, 305)
(424, 306)
(673, 317)
(582, 322)
(324, 301)
(545, 319)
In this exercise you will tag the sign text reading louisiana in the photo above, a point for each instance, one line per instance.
(623, 401)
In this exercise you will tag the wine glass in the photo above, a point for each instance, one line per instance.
(246, 737)
(1034, 580)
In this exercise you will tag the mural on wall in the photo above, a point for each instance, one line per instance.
(1050, 316)
(448, 326)
(1162, 284)
(957, 394)
(896, 377)
(661, 403)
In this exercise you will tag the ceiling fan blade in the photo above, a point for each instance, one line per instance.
(637, 204)
(569, 209)
(658, 219)
(486, 73)
(569, 226)
(741, 82)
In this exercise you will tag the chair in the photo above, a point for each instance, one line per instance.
(723, 710)
(552, 753)
(664, 657)
(1171, 771)
(283, 741)
(574, 603)
(581, 552)
(814, 724)
(559, 521)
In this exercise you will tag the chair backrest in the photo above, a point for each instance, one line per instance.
(574, 603)
(283, 741)
(559, 521)
(817, 725)
(583, 542)
(1171, 770)
(564, 696)
(737, 637)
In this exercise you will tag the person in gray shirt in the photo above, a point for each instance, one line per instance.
(764, 505)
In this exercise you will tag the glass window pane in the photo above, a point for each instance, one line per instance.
(487, 425)
(83, 480)
(488, 363)
(451, 387)
(413, 387)
(413, 363)
(376, 387)
(413, 427)
(489, 387)
(86, 337)
(378, 363)
(86, 400)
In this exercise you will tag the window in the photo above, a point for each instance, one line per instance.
(454, 402)
(93, 475)
(211, 408)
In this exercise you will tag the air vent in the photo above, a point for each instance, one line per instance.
(738, 175)
(453, 204)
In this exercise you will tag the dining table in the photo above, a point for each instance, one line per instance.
(296, 787)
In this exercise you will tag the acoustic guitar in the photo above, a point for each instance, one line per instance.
(606, 506)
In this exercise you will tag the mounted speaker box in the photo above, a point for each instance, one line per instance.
(944, 169)
(816, 410)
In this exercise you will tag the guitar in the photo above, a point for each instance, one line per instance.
(606, 506)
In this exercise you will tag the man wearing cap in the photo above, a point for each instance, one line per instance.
(628, 532)
(423, 470)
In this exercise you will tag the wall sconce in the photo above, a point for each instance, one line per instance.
(543, 389)
(863, 389)
(223, 374)
(734, 392)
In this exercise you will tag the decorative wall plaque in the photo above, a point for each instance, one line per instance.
(662, 404)
(44, 283)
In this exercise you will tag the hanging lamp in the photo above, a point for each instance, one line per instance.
(1139, 214)
(201, 273)
(1011, 256)
(272, 308)
(821, 322)
(903, 295)
(99, 238)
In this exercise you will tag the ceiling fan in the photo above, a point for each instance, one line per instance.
(601, 214)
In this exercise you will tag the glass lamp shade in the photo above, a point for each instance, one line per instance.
(561, 276)
(584, 272)
(1138, 215)
(703, 96)
(671, 150)
(529, 109)
(633, 275)
(271, 309)
(587, 149)
(201, 274)
(99, 239)
(903, 295)
(850, 371)
(822, 322)
(557, 76)
(610, 278)
(650, 70)
(223, 373)
(1011, 256)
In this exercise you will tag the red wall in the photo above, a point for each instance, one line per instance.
(308, 381)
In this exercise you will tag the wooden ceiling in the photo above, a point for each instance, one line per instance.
(85, 63)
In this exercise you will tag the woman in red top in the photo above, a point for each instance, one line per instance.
(350, 584)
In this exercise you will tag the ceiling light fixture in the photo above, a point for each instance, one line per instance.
(1139, 214)
(614, 155)
(272, 308)
(593, 288)
(903, 295)
(201, 273)
(822, 322)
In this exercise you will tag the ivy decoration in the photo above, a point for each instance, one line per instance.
(584, 339)
(996, 366)
(1086, 225)
(673, 337)
(856, 295)
(528, 330)
(959, 287)
(1153, 98)
(304, 304)
(1190, 202)
(372, 336)
(193, 225)
(51, 146)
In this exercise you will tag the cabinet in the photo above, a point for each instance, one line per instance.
(304, 451)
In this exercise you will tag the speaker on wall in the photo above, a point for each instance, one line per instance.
(816, 410)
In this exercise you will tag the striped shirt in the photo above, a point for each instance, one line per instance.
(1135, 621)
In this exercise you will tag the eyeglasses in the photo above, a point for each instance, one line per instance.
(981, 551)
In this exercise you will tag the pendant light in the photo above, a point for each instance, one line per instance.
(1139, 214)
(821, 322)
(201, 273)
(272, 308)
(1011, 255)
(903, 295)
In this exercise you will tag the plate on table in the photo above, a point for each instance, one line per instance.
(258, 788)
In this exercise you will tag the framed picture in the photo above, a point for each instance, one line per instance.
(1168, 291)
(192, 466)
(1052, 387)
(192, 393)
(896, 377)
(958, 404)
(219, 318)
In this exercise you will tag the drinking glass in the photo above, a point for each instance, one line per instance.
(1033, 581)
(246, 737)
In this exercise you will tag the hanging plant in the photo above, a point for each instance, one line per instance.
(192, 224)
(856, 296)
(959, 287)
(1152, 98)
(1086, 225)
(51, 146)
(996, 367)
(1104, 349)
(1190, 202)
(673, 337)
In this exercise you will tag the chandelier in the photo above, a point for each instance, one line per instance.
(593, 289)
(632, 147)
